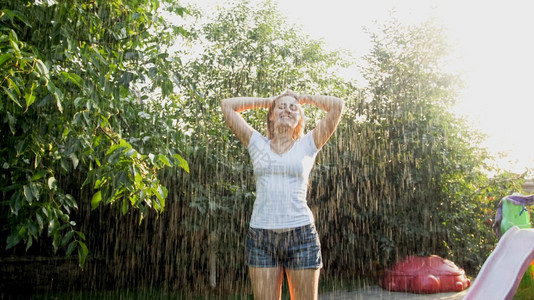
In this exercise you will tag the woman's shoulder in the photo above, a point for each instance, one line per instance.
(257, 137)
(307, 141)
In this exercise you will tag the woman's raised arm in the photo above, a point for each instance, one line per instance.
(231, 108)
(328, 124)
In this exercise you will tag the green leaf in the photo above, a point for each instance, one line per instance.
(80, 234)
(125, 206)
(36, 190)
(115, 157)
(52, 183)
(29, 242)
(159, 194)
(12, 122)
(42, 68)
(21, 146)
(39, 175)
(15, 87)
(131, 152)
(74, 160)
(4, 58)
(162, 158)
(52, 226)
(56, 239)
(121, 145)
(18, 15)
(71, 202)
(138, 179)
(13, 40)
(39, 221)
(99, 182)
(11, 96)
(13, 239)
(182, 162)
(45, 211)
(33, 228)
(58, 102)
(82, 253)
(57, 94)
(30, 98)
(89, 177)
(126, 78)
(37, 160)
(162, 192)
(66, 238)
(74, 78)
(71, 248)
(97, 198)
(28, 194)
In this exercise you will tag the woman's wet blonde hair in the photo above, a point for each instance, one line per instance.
(299, 129)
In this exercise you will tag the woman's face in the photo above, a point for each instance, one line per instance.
(286, 112)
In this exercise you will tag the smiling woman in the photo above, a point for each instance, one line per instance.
(282, 235)
(286, 113)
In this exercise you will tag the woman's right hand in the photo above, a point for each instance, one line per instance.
(231, 109)
(289, 92)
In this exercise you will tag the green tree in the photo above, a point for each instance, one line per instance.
(419, 136)
(415, 178)
(75, 78)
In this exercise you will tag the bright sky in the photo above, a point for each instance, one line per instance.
(494, 38)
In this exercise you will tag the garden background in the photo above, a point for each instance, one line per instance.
(118, 171)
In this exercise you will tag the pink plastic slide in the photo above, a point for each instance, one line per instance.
(501, 273)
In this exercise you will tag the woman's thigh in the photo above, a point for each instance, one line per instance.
(266, 283)
(303, 284)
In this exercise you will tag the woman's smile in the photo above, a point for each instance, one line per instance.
(286, 117)
(287, 111)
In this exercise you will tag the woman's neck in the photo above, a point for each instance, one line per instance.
(281, 143)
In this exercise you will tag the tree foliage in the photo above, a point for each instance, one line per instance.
(415, 179)
(74, 77)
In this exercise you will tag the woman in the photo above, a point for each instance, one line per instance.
(282, 235)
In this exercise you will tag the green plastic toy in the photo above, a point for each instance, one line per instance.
(514, 215)
(518, 215)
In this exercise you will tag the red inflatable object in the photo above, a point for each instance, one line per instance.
(425, 275)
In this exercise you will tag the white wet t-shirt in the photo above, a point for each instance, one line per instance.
(281, 183)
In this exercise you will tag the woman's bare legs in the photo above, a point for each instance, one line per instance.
(303, 284)
(266, 283)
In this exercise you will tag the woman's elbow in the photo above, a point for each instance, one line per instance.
(340, 104)
(224, 103)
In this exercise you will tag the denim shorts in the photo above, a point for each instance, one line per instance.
(297, 248)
